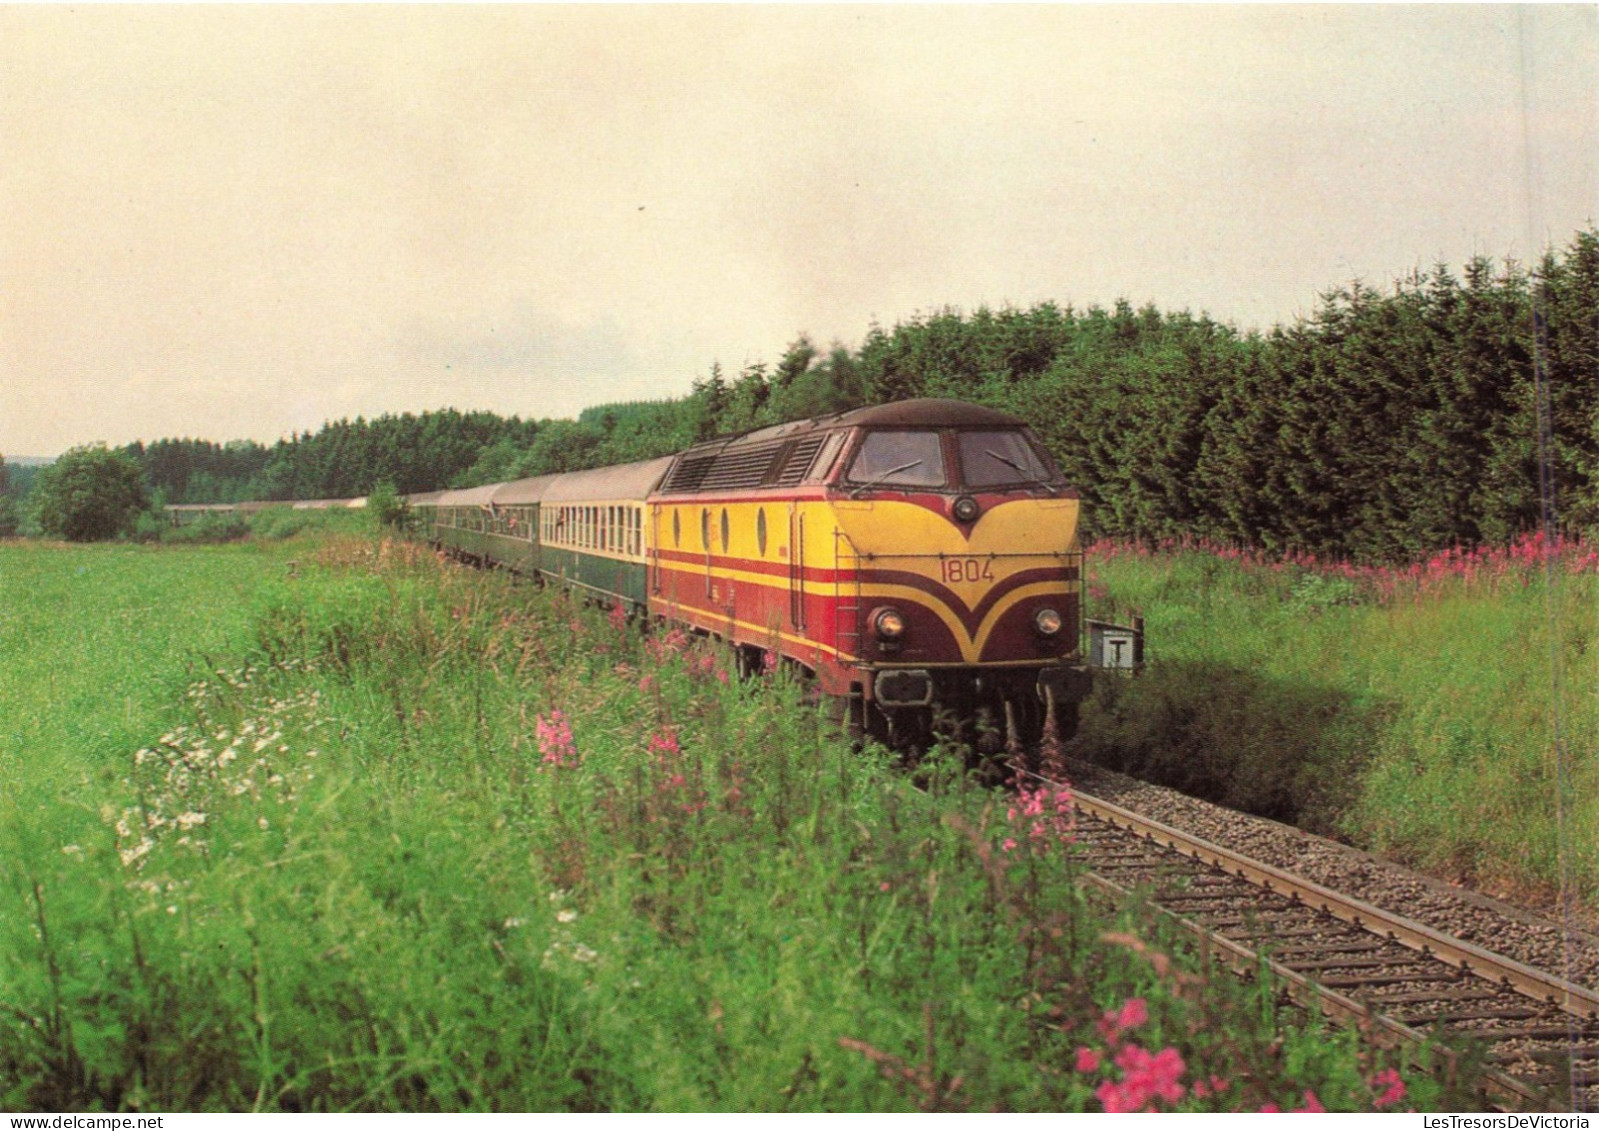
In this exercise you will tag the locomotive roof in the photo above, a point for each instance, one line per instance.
(926, 412)
(921, 412)
(782, 456)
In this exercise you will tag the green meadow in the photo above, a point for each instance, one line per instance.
(328, 824)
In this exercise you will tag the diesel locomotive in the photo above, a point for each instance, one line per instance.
(912, 558)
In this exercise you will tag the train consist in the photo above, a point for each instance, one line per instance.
(912, 557)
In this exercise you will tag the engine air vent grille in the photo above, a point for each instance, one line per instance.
(688, 473)
(740, 467)
(799, 460)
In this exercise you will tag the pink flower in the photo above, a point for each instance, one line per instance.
(664, 743)
(1087, 1060)
(1133, 1013)
(1152, 1075)
(555, 739)
(1393, 1088)
(769, 662)
(1146, 1077)
(1312, 1104)
(1044, 814)
(618, 617)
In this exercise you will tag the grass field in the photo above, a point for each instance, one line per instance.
(1444, 715)
(369, 832)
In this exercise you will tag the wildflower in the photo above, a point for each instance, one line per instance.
(1312, 1104)
(1045, 814)
(769, 662)
(555, 739)
(1391, 1085)
(618, 617)
(1087, 1060)
(566, 915)
(1116, 1022)
(1146, 1077)
(663, 743)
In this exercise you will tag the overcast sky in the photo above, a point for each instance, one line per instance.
(237, 222)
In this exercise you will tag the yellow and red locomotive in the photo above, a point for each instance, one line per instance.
(911, 556)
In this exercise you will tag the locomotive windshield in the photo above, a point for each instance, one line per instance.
(899, 459)
(999, 459)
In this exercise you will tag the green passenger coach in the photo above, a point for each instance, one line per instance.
(583, 529)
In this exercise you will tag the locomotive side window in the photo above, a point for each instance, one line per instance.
(999, 459)
(899, 459)
(824, 458)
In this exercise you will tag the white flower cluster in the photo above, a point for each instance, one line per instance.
(192, 769)
(565, 946)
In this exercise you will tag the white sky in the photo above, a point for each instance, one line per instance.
(230, 222)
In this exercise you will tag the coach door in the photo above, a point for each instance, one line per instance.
(653, 550)
(796, 567)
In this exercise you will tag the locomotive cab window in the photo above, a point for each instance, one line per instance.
(1000, 459)
(899, 459)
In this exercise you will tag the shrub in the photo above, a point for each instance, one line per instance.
(90, 494)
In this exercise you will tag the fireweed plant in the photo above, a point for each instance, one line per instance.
(407, 836)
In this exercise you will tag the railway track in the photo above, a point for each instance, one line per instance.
(1534, 1035)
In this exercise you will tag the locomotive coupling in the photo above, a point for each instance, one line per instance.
(902, 688)
(1066, 685)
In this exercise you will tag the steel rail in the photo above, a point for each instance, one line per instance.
(1567, 996)
(1497, 1086)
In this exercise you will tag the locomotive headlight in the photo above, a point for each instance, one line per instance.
(1047, 622)
(888, 624)
(966, 509)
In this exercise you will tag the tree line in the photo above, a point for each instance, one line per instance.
(1449, 410)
